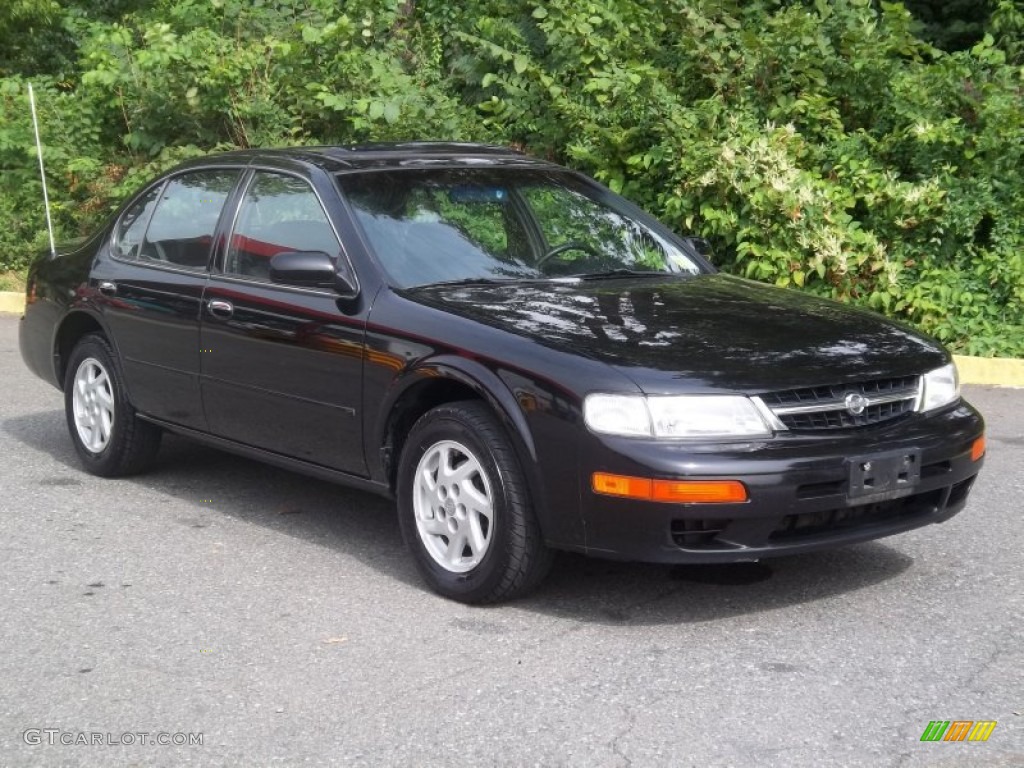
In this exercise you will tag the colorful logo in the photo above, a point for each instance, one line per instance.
(958, 730)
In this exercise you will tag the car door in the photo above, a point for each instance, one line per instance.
(282, 365)
(151, 278)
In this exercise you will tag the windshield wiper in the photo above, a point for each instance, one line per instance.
(608, 274)
(470, 281)
(622, 272)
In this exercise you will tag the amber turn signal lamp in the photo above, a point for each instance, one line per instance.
(621, 485)
(978, 449)
(673, 491)
(699, 491)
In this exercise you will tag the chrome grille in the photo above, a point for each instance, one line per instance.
(827, 407)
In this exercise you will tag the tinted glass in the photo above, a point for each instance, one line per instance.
(133, 224)
(582, 228)
(181, 231)
(449, 225)
(279, 213)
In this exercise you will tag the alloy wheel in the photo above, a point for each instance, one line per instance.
(454, 506)
(93, 404)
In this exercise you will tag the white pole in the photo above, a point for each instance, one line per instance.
(42, 171)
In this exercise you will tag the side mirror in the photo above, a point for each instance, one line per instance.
(309, 269)
(701, 246)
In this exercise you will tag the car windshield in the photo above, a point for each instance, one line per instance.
(479, 225)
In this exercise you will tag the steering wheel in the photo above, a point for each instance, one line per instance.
(572, 245)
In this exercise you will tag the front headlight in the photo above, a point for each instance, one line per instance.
(939, 387)
(617, 415)
(707, 416)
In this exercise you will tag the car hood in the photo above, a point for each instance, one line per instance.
(708, 332)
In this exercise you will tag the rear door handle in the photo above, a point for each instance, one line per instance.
(220, 308)
(107, 288)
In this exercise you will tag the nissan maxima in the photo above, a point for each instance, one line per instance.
(522, 359)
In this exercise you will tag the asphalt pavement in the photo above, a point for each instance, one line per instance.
(279, 621)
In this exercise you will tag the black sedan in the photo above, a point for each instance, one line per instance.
(523, 359)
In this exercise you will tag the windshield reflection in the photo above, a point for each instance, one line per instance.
(443, 226)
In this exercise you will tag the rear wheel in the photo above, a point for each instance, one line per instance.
(464, 508)
(109, 438)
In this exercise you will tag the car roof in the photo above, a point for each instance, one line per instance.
(409, 154)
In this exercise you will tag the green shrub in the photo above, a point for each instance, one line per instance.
(819, 145)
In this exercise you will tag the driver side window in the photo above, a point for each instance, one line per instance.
(279, 214)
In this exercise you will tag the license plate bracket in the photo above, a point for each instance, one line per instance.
(888, 475)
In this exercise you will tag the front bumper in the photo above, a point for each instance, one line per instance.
(799, 488)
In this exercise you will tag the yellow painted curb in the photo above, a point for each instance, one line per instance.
(12, 301)
(998, 371)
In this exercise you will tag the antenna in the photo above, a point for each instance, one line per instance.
(42, 171)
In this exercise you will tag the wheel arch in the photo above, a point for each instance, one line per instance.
(447, 380)
(69, 332)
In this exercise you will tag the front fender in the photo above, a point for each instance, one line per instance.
(486, 384)
(490, 387)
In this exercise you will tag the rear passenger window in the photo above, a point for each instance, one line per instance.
(279, 214)
(132, 226)
(181, 231)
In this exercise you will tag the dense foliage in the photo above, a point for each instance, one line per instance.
(828, 145)
(952, 25)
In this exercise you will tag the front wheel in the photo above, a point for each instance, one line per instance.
(464, 508)
(109, 438)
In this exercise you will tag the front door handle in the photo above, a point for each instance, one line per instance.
(107, 288)
(220, 308)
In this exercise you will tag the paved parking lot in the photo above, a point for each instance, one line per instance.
(280, 617)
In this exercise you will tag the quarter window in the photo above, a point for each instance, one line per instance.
(181, 231)
(133, 224)
(279, 214)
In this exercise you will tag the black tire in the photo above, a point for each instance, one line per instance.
(132, 444)
(515, 559)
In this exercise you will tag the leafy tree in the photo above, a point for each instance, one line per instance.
(26, 28)
(952, 25)
(834, 146)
